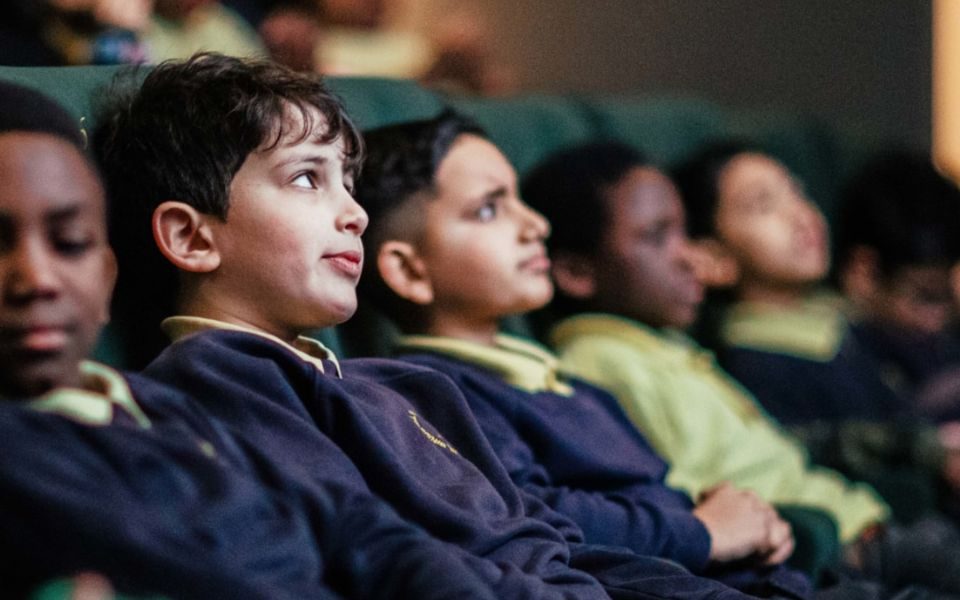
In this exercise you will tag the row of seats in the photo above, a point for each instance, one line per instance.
(528, 127)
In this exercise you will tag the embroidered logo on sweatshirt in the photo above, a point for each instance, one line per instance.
(434, 438)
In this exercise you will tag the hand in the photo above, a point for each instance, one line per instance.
(742, 525)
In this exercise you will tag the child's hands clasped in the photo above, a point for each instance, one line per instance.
(742, 525)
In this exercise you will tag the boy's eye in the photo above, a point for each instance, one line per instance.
(305, 180)
(656, 235)
(487, 211)
(71, 244)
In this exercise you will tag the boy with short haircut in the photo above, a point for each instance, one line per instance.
(897, 243)
(626, 265)
(122, 476)
(244, 178)
(455, 251)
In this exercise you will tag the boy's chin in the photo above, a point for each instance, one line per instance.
(532, 302)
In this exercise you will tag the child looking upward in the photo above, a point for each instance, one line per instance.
(115, 474)
(244, 195)
(624, 261)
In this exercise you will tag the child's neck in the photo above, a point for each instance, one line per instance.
(196, 306)
(479, 332)
(772, 294)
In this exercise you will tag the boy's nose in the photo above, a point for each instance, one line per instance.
(30, 272)
(535, 224)
(808, 214)
(353, 219)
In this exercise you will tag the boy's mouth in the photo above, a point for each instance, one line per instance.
(38, 338)
(537, 264)
(349, 263)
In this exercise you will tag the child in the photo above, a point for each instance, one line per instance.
(455, 251)
(244, 173)
(141, 486)
(787, 346)
(795, 352)
(621, 255)
(896, 244)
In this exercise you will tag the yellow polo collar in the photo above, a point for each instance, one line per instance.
(307, 349)
(520, 363)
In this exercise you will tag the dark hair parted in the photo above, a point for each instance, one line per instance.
(401, 165)
(182, 134)
(901, 207)
(698, 179)
(570, 189)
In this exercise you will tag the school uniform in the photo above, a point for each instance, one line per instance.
(920, 367)
(90, 482)
(803, 364)
(409, 436)
(569, 443)
(139, 484)
(710, 429)
(705, 424)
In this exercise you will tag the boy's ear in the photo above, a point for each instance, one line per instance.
(713, 264)
(859, 274)
(184, 237)
(404, 271)
(574, 275)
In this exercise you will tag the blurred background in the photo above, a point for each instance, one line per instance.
(861, 65)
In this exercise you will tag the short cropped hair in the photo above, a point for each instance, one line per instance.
(901, 207)
(25, 109)
(400, 166)
(571, 187)
(698, 180)
(182, 134)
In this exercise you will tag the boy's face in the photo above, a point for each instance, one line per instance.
(56, 269)
(644, 266)
(915, 299)
(290, 251)
(481, 245)
(767, 224)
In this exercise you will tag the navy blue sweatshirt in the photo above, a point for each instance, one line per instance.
(181, 510)
(797, 390)
(410, 438)
(579, 453)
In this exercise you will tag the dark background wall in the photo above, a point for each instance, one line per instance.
(863, 65)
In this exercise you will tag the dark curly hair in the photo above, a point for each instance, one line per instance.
(182, 134)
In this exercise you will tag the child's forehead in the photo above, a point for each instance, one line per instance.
(43, 173)
(473, 161)
(297, 125)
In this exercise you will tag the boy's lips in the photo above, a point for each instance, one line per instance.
(349, 262)
(538, 264)
(38, 338)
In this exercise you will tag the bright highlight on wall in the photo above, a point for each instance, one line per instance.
(946, 86)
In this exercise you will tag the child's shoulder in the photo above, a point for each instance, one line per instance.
(384, 369)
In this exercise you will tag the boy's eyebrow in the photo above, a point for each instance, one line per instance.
(302, 158)
(62, 214)
(499, 192)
